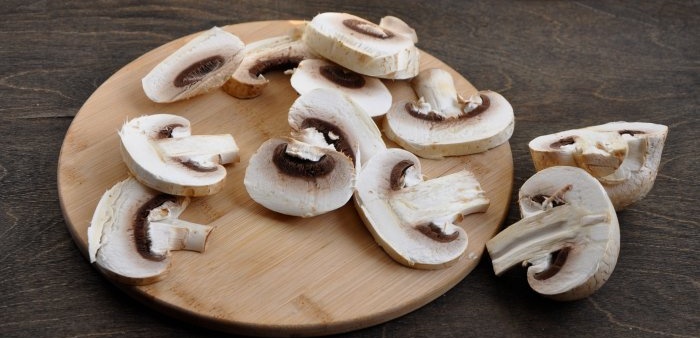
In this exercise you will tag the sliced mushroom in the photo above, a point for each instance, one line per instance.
(569, 235)
(623, 156)
(133, 230)
(202, 64)
(368, 92)
(442, 123)
(299, 179)
(161, 153)
(413, 220)
(277, 53)
(386, 50)
(343, 123)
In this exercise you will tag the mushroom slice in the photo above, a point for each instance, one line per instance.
(386, 50)
(343, 123)
(299, 179)
(277, 53)
(623, 156)
(442, 123)
(133, 230)
(368, 92)
(413, 220)
(200, 65)
(599, 153)
(569, 235)
(160, 152)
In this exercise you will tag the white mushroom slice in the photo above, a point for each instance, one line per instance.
(298, 179)
(569, 235)
(413, 220)
(386, 50)
(133, 230)
(368, 92)
(599, 153)
(277, 53)
(623, 156)
(200, 65)
(441, 123)
(341, 120)
(160, 152)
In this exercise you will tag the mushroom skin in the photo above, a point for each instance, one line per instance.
(386, 50)
(276, 53)
(341, 120)
(161, 153)
(442, 123)
(569, 235)
(299, 179)
(133, 230)
(623, 156)
(202, 64)
(368, 92)
(414, 220)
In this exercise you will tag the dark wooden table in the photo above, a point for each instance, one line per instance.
(562, 65)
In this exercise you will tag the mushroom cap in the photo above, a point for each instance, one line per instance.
(361, 138)
(623, 156)
(396, 220)
(280, 52)
(145, 141)
(368, 92)
(306, 194)
(202, 64)
(455, 136)
(383, 51)
(591, 252)
(112, 235)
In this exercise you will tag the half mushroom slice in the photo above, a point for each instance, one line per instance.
(414, 220)
(341, 121)
(299, 179)
(133, 230)
(569, 235)
(386, 50)
(623, 156)
(368, 92)
(200, 65)
(276, 53)
(442, 123)
(161, 153)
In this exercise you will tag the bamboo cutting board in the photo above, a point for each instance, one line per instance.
(264, 273)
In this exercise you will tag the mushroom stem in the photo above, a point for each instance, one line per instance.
(176, 234)
(216, 148)
(535, 237)
(437, 90)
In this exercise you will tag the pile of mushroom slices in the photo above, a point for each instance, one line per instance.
(135, 224)
(569, 235)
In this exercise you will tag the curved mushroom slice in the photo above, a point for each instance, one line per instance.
(569, 235)
(413, 220)
(160, 152)
(298, 179)
(386, 50)
(277, 53)
(368, 92)
(442, 123)
(343, 123)
(623, 156)
(133, 230)
(200, 65)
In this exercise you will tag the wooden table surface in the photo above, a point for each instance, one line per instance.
(562, 65)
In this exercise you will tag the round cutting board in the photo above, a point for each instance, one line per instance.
(265, 273)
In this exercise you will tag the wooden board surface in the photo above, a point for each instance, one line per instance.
(264, 273)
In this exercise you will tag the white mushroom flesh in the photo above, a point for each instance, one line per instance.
(160, 152)
(365, 47)
(368, 92)
(202, 64)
